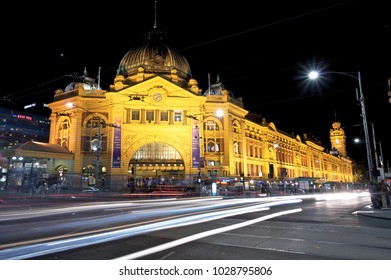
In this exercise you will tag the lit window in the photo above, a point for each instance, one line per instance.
(164, 116)
(236, 148)
(178, 116)
(211, 125)
(135, 115)
(150, 116)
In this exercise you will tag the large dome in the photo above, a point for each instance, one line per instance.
(154, 57)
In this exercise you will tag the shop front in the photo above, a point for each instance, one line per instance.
(27, 167)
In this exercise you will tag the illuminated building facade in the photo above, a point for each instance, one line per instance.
(155, 122)
(20, 126)
(25, 155)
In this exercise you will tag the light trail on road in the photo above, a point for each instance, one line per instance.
(194, 237)
(44, 248)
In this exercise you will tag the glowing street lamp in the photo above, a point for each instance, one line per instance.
(197, 145)
(360, 97)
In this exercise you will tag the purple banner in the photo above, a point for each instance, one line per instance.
(195, 147)
(117, 144)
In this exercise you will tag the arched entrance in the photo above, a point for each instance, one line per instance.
(155, 164)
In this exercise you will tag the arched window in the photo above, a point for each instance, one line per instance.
(213, 145)
(95, 130)
(157, 151)
(211, 125)
(63, 132)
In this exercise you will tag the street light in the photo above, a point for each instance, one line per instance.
(197, 145)
(379, 164)
(380, 158)
(360, 97)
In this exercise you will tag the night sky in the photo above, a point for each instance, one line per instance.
(261, 51)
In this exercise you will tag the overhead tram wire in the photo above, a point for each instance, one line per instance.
(8, 96)
(254, 29)
(296, 98)
(267, 25)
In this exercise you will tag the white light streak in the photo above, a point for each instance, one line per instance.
(194, 237)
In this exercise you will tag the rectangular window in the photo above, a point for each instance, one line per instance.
(135, 115)
(150, 115)
(103, 143)
(210, 125)
(316, 162)
(218, 145)
(164, 116)
(178, 116)
(236, 148)
(211, 145)
(86, 143)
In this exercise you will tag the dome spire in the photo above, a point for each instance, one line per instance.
(156, 34)
(154, 57)
(155, 25)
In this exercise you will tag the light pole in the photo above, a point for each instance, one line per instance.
(360, 97)
(378, 159)
(381, 159)
(97, 150)
(198, 146)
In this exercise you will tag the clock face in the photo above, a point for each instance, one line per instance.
(337, 141)
(157, 97)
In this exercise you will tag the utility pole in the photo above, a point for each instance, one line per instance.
(97, 168)
(375, 151)
(378, 159)
(381, 160)
(360, 97)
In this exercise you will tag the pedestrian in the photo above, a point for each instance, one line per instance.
(385, 194)
(374, 195)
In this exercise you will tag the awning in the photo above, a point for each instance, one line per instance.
(39, 150)
(305, 179)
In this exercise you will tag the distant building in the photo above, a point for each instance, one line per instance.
(20, 126)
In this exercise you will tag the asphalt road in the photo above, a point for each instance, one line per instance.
(198, 229)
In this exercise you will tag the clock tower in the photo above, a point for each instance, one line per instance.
(338, 138)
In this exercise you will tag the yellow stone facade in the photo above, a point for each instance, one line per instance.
(155, 122)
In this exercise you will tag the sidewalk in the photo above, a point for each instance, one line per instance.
(383, 213)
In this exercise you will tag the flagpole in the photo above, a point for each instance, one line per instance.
(99, 78)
